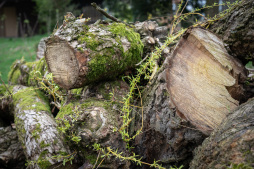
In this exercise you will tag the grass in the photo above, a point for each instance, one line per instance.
(12, 49)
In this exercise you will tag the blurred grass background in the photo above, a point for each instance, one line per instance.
(12, 49)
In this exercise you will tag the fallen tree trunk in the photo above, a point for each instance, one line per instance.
(78, 54)
(92, 120)
(236, 31)
(197, 86)
(232, 144)
(36, 128)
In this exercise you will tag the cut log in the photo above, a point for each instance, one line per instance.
(79, 54)
(197, 86)
(36, 128)
(231, 145)
(203, 80)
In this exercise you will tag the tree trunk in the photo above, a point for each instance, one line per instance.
(236, 31)
(79, 54)
(198, 85)
(232, 144)
(36, 128)
(11, 151)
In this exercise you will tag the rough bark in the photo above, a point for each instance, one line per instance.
(171, 128)
(232, 144)
(165, 137)
(11, 151)
(6, 116)
(237, 30)
(92, 118)
(36, 128)
(204, 81)
(41, 49)
(79, 54)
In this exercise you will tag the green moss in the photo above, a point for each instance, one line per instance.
(28, 99)
(91, 157)
(3, 90)
(14, 75)
(108, 62)
(66, 110)
(77, 92)
(43, 144)
(42, 162)
(36, 66)
(20, 130)
(37, 131)
(39, 68)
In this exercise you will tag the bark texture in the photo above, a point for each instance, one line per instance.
(93, 118)
(237, 30)
(11, 151)
(41, 49)
(203, 80)
(79, 54)
(232, 144)
(166, 136)
(36, 128)
(6, 116)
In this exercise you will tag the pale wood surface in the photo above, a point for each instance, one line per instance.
(198, 76)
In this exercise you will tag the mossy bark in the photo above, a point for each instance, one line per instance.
(78, 54)
(27, 73)
(36, 128)
(93, 119)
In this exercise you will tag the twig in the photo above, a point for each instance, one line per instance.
(107, 15)
(142, 61)
(97, 159)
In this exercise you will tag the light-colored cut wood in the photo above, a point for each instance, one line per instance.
(199, 75)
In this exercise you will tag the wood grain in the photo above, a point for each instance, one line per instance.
(198, 76)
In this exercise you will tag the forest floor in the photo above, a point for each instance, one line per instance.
(12, 49)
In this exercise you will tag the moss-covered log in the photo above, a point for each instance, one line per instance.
(232, 144)
(79, 54)
(236, 30)
(91, 120)
(27, 73)
(37, 129)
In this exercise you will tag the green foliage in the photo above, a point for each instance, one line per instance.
(51, 13)
(240, 166)
(66, 119)
(13, 49)
(129, 11)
